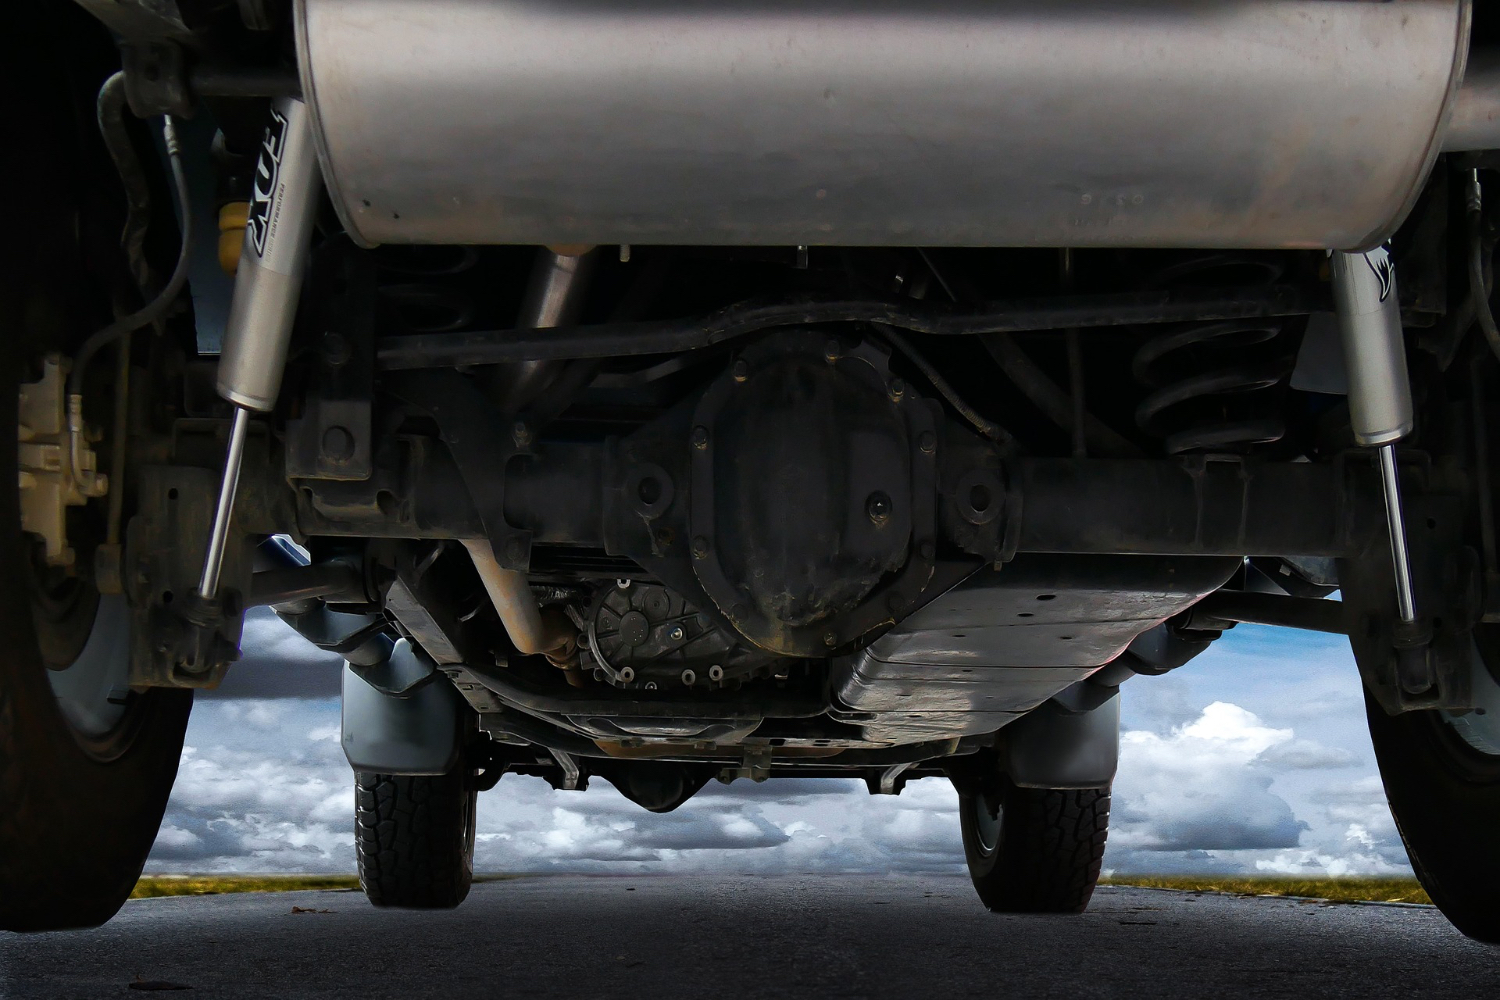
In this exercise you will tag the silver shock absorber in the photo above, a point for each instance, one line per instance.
(1380, 405)
(266, 286)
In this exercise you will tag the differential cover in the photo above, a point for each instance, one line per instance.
(806, 490)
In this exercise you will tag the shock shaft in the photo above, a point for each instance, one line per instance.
(1380, 405)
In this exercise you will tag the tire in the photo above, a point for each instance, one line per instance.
(1033, 850)
(84, 780)
(82, 793)
(415, 838)
(1445, 798)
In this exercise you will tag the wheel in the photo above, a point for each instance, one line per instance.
(1033, 850)
(1442, 778)
(86, 765)
(415, 838)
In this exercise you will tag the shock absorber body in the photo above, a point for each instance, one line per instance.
(266, 287)
(1380, 404)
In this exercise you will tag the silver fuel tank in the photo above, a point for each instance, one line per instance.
(1081, 123)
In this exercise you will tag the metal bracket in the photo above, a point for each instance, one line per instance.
(757, 766)
(156, 79)
(333, 438)
(890, 776)
(572, 780)
(471, 427)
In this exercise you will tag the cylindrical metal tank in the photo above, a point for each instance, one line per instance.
(1146, 123)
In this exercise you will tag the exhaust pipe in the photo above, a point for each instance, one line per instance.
(1155, 123)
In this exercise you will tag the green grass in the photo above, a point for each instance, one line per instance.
(1339, 890)
(152, 886)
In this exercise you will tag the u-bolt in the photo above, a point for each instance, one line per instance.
(1380, 407)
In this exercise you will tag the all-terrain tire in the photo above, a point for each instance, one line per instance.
(1445, 798)
(415, 838)
(1041, 848)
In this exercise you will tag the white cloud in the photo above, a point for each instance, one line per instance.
(1195, 788)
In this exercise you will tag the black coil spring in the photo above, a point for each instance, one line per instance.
(428, 293)
(1213, 387)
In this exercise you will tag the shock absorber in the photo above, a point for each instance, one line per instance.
(1380, 405)
(266, 286)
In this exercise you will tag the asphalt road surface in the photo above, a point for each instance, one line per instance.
(807, 937)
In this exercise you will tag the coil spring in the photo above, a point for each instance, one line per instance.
(1203, 397)
(429, 295)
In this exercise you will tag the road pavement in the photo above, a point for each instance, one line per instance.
(808, 937)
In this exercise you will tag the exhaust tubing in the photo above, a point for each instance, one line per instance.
(1154, 123)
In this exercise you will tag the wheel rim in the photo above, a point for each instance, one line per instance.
(93, 692)
(1479, 728)
(986, 822)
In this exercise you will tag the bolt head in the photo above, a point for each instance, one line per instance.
(700, 438)
(701, 548)
(878, 507)
(927, 442)
(832, 351)
(927, 551)
(897, 389)
(830, 639)
(740, 370)
(677, 634)
(521, 434)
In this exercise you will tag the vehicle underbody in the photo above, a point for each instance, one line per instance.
(671, 438)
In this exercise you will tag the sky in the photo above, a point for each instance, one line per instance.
(1252, 758)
